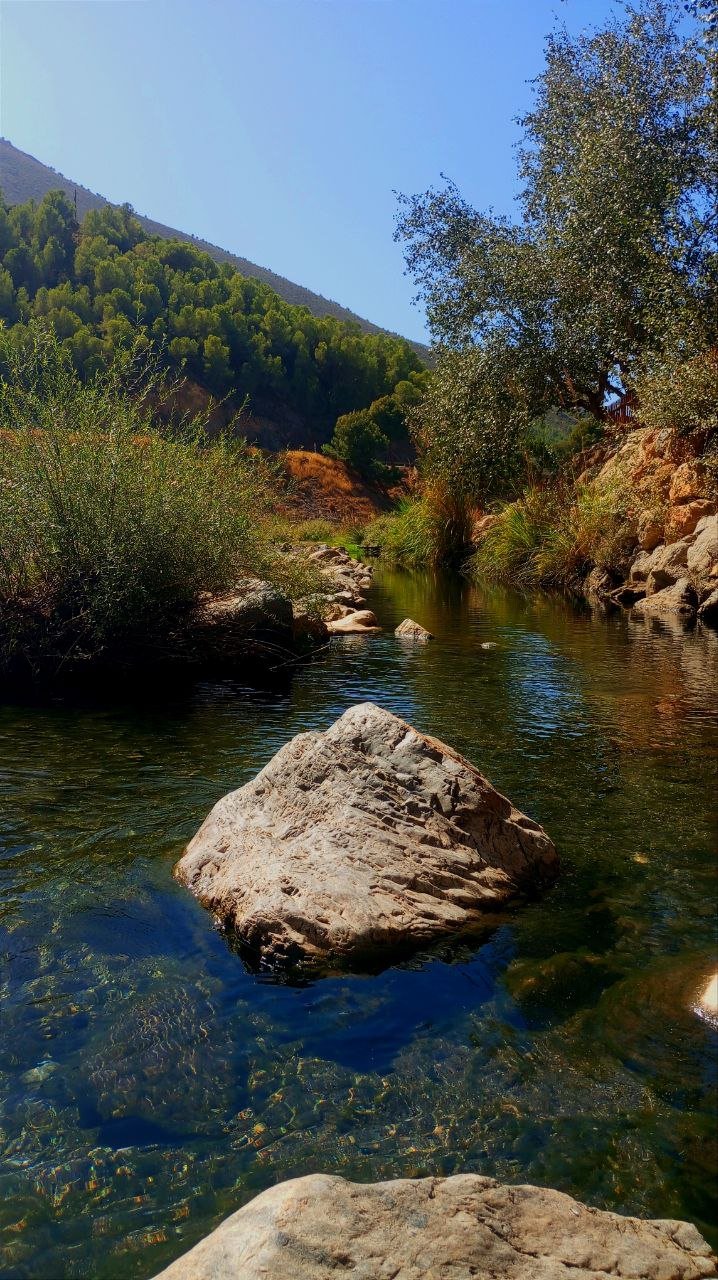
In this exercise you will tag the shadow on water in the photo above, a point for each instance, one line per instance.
(150, 1083)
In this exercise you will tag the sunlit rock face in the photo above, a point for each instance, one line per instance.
(360, 843)
(322, 1227)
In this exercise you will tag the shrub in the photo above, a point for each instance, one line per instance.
(429, 530)
(552, 535)
(110, 530)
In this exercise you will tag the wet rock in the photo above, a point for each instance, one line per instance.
(322, 1227)
(410, 630)
(708, 609)
(679, 599)
(361, 843)
(354, 623)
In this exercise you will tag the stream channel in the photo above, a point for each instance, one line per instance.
(150, 1085)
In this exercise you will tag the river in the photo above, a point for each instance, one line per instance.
(149, 1085)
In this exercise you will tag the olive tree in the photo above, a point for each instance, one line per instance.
(615, 242)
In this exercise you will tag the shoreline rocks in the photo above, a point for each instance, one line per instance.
(360, 844)
(321, 1227)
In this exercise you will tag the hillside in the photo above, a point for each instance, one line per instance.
(23, 178)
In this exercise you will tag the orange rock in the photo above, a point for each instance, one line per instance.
(688, 482)
(683, 519)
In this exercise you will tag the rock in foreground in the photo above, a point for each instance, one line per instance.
(359, 843)
(322, 1227)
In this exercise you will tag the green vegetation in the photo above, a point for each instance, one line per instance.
(372, 440)
(23, 178)
(106, 285)
(433, 528)
(604, 286)
(553, 535)
(110, 530)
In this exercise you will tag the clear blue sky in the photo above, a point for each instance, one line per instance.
(279, 128)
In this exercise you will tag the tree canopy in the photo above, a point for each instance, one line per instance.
(611, 262)
(104, 283)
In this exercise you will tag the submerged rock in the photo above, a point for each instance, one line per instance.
(361, 843)
(410, 630)
(322, 1227)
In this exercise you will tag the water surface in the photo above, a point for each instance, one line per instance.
(149, 1085)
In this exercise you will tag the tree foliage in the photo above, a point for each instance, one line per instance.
(105, 285)
(372, 440)
(615, 244)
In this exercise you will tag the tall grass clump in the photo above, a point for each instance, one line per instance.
(429, 529)
(111, 530)
(553, 535)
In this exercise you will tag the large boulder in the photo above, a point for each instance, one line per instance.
(323, 1227)
(355, 622)
(702, 555)
(361, 843)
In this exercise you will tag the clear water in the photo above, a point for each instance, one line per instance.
(149, 1085)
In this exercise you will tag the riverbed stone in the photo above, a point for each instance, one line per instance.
(322, 1227)
(410, 630)
(361, 843)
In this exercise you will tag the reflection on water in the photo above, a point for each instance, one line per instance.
(149, 1084)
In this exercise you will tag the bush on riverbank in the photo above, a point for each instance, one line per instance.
(552, 535)
(111, 530)
(434, 528)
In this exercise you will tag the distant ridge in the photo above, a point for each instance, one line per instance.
(23, 178)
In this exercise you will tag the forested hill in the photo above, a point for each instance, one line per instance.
(24, 178)
(104, 284)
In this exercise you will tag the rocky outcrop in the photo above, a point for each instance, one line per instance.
(679, 577)
(410, 630)
(358, 844)
(322, 1227)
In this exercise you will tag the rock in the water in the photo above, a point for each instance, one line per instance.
(323, 1227)
(359, 621)
(708, 610)
(361, 843)
(410, 630)
(702, 555)
(679, 599)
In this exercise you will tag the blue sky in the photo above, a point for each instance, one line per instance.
(279, 128)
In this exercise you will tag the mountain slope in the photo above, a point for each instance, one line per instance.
(22, 178)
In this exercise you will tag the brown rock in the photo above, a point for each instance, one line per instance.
(410, 630)
(679, 599)
(360, 843)
(323, 1227)
(683, 519)
(688, 482)
(649, 531)
(702, 555)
